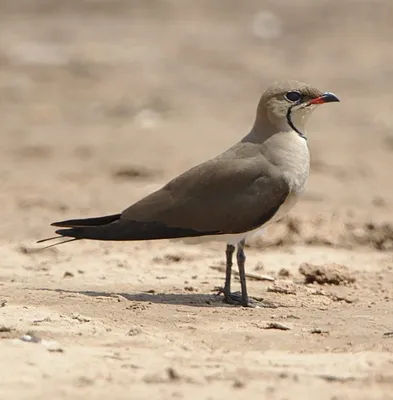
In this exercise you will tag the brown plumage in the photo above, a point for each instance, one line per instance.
(251, 184)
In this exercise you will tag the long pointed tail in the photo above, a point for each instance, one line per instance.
(78, 223)
(115, 229)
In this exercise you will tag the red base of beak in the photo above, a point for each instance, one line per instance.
(325, 98)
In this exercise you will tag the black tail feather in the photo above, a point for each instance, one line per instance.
(78, 224)
(56, 244)
(99, 221)
(48, 239)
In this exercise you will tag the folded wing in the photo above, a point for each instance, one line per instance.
(221, 196)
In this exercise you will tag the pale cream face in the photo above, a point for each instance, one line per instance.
(288, 105)
(279, 109)
(300, 116)
(290, 109)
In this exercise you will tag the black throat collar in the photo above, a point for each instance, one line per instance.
(290, 123)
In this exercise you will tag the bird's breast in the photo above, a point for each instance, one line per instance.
(289, 153)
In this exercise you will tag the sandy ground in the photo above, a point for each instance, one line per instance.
(101, 102)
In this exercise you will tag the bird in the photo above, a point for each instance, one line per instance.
(230, 197)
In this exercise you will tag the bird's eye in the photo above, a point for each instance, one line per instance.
(293, 96)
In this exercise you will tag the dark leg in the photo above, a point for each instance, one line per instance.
(226, 290)
(236, 297)
(228, 272)
(241, 260)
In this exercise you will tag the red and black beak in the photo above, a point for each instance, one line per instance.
(326, 97)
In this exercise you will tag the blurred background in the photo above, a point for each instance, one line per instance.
(103, 101)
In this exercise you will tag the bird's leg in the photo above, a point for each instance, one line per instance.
(228, 271)
(241, 260)
(237, 297)
(226, 290)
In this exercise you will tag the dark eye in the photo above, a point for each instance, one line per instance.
(293, 96)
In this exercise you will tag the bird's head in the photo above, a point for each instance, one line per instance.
(288, 105)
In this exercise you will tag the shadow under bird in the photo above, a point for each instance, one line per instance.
(230, 197)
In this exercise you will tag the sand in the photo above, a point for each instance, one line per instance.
(102, 102)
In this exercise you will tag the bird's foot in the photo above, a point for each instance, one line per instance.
(236, 298)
